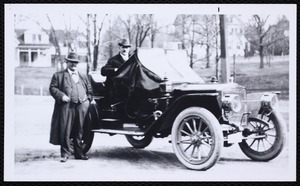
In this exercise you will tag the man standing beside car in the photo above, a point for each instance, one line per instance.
(72, 93)
(111, 67)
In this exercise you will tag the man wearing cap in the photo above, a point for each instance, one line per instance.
(111, 67)
(72, 93)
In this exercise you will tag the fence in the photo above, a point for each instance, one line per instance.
(38, 90)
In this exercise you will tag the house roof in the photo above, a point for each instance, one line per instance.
(34, 46)
(61, 35)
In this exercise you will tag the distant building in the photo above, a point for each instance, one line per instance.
(236, 39)
(33, 48)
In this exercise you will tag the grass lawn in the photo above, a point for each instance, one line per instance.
(248, 74)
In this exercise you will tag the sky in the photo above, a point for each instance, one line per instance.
(59, 21)
(165, 13)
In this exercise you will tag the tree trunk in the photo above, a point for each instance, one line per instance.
(96, 45)
(207, 56)
(57, 47)
(261, 56)
(192, 54)
(88, 44)
(95, 60)
(60, 65)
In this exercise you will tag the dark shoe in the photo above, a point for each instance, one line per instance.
(83, 157)
(63, 159)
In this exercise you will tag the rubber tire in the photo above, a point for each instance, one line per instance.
(278, 145)
(215, 129)
(139, 144)
(88, 136)
(86, 145)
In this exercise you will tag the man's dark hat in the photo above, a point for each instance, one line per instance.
(125, 43)
(72, 57)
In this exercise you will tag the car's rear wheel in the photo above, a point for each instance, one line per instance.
(265, 137)
(87, 138)
(197, 138)
(139, 141)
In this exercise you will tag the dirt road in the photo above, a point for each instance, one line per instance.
(113, 159)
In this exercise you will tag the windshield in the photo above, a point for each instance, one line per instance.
(172, 64)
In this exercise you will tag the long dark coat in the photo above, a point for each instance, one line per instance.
(113, 90)
(61, 85)
(108, 69)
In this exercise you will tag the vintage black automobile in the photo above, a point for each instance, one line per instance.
(161, 96)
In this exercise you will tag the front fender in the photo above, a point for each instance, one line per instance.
(210, 101)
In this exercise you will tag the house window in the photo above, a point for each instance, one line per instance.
(231, 32)
(24, 58)
(238, 47)
(34, 38)
(40, 37)
(179, 46)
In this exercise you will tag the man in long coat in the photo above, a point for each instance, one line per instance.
(72, 93)
(113, 90)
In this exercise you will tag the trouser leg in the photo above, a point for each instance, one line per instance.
(81, 112)
(69, 113)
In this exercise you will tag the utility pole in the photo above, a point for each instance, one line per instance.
(225, 70)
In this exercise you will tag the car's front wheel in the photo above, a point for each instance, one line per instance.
(265, 137)
(197, 138)
(139, 141)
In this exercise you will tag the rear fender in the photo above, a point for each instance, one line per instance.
(94, 115)
(210, 101)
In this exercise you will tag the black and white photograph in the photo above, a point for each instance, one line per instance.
(150, 92)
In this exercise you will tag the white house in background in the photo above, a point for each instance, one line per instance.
(236, 39)
(33, 49)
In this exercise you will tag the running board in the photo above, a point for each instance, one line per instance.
(118, 131)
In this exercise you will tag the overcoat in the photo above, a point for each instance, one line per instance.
(108, 69)
(61, 85)
(113, 90)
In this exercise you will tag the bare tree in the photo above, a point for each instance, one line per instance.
(96, 43)
(110, 38)
(130, 27)
(186, 33)
(277, 39)
(70, 36)
(260, 36)
(207, 35)
(182, 28)
(193, 30)
(143, 24)
(192, 40)
(55, 43)
(153, 30)
(88, 32)
(53, 39)
(117, 29)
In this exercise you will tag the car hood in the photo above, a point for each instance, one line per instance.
(206, 87)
